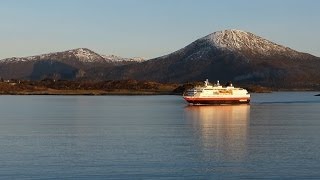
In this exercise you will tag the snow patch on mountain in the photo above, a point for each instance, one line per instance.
(114, 58)
(86, 55)
(238, 40)
(19, 59)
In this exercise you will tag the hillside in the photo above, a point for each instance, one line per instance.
(229, 55)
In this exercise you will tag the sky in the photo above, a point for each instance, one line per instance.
(150, 28)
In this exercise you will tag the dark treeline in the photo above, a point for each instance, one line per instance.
(20, 86)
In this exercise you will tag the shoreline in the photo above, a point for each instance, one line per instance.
(118, 93)
(90, 93)
(123, 87)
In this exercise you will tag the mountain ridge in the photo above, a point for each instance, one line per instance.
(70, 64)
(229, 55)
(82, 54)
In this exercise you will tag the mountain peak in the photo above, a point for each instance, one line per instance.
(81, 54)
(80, 50)
(239, 40)
(86, 55)
(233, 31)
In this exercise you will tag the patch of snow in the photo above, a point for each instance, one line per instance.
(244, 41)
(85, 55)
(114, 58)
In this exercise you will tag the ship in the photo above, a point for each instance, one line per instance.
(216, 94)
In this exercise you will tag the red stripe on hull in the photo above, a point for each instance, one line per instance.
(217, 100)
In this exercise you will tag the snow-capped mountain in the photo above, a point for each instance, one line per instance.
(68, 64)
(242, 41)
(229, 55)
(83, 55)
(238, 40)
(80, 54)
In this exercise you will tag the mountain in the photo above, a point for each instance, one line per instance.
(80, 54)
(229, 55)
(70, 64)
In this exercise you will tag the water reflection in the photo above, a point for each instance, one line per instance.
(222, 130)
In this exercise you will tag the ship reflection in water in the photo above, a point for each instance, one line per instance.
(222, 130)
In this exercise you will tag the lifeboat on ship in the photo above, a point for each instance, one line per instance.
(216, 94)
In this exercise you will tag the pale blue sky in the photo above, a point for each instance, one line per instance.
(150, 28)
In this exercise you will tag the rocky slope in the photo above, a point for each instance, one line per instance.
(230, 55)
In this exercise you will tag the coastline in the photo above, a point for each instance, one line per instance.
(121, 87)
(89, 93)
(119, 93)
(90, 88)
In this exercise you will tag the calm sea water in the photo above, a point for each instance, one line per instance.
(145, 137)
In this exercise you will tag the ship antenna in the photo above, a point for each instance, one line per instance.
(206, 82)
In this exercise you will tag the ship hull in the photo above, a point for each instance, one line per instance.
(199, 101)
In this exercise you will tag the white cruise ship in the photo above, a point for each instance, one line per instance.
(216, 94)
